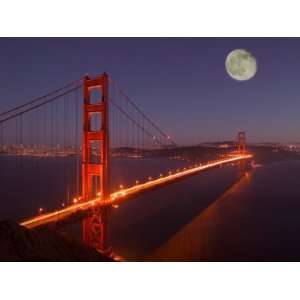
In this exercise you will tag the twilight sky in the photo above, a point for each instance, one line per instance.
(181, 83)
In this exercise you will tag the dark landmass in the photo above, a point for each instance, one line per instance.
(20, 244)
(205, 152)
(269, 154)
(185, 153)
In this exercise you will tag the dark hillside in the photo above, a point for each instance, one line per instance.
(20, 244)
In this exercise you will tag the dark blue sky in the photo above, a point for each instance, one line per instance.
(180, 82)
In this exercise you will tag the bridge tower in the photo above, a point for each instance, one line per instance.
(95, 165)
(241, 142)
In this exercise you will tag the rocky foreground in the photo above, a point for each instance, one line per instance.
(20, 244)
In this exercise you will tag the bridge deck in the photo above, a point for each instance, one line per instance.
(123, 194)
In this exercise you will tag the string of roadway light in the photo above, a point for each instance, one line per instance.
(123, 193)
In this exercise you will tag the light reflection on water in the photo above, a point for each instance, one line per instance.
(257, 219)
(141, 225)
(199, 238)
(213, 216)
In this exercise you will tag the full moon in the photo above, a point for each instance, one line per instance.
(241, 65)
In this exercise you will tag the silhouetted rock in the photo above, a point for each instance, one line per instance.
(17, 243)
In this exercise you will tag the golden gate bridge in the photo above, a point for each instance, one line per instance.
(107, 123)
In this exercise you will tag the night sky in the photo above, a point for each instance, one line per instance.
(181, 83)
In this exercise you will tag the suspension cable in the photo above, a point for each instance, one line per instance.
(138, 109)
(40, 98)
(39, 105)
(133, 121)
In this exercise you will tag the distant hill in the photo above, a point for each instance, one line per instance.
(20, 244)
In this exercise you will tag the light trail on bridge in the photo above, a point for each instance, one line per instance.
(125, 193)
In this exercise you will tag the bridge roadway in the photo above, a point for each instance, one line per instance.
(123, 194)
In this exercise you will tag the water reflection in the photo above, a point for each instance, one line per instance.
(141, 225)
(199, 239)
(256, 220)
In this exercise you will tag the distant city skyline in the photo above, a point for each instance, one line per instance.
(180, 82)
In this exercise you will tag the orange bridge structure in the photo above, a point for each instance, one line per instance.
(101, 136)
